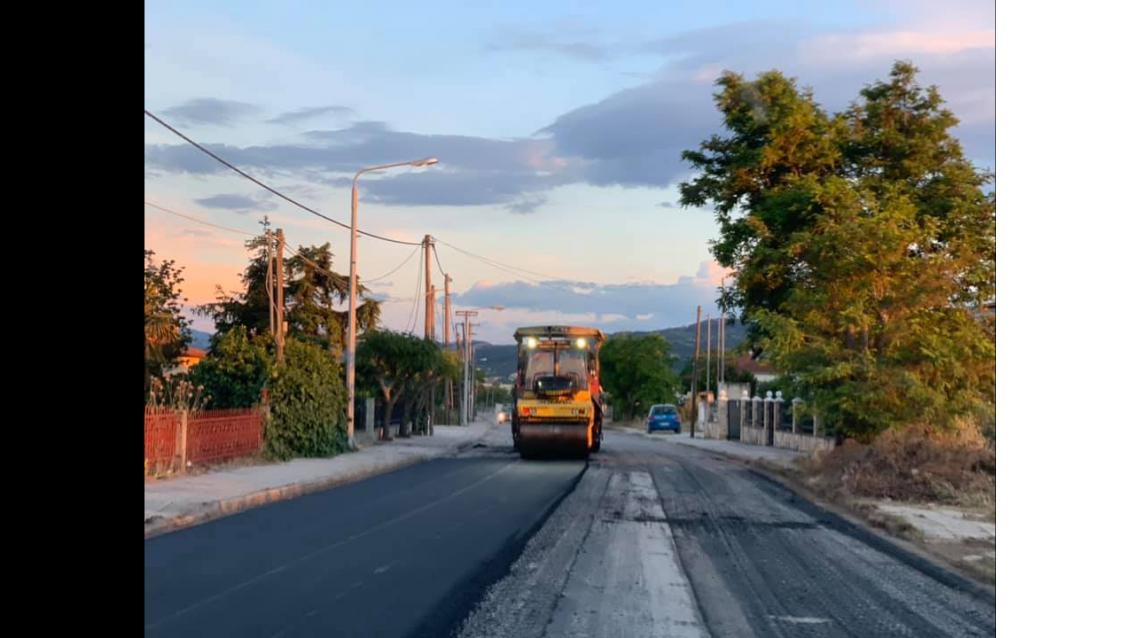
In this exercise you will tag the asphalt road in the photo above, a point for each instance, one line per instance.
(401, 554)
(666, 540)
(648, 539)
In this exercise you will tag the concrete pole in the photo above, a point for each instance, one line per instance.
(776, 413)
(708, 354)
(693, 385)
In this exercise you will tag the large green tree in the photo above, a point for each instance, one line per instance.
(863, 243)
(637, 373)
(166, 331)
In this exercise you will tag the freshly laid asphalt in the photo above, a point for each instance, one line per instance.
(400, 554)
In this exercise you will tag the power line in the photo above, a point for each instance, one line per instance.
(436, 253)
(390, 272)
(500, 265)
(292, 250)
(266, 186)
(410, 327)
(200, 221)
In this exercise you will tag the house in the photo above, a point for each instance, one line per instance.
(185, 361)
(760, 370)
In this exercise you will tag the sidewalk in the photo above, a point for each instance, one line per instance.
(181, 502)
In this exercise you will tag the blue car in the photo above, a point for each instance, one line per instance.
(663, 417)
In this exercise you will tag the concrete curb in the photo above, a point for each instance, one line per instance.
(908, 552)
(227, 507)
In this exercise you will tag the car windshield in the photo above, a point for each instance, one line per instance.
(663, 410)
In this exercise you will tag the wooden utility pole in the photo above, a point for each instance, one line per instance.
(446, 335)
(269, 267)
(429, 307)
(280, 296)
(467, 372)
(693, 389)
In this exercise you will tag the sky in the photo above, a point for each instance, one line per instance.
(558, 131)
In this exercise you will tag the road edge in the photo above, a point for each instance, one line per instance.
(215, 510)
(847, 520)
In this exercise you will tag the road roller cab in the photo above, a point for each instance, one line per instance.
(558, 391)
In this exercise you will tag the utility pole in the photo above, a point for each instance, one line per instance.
(429, 308)
(466, 404)
(472, 402)
(446, 335)
(720, 367)
(693, 390)
(708, 353)
(269, 265)
(280, 296)
(720, 346)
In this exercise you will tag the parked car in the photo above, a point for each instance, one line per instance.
(663, 417)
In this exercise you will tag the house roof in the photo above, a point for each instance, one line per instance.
(194, 353)
(752, 366)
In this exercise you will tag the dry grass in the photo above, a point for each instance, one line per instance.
(917, 464)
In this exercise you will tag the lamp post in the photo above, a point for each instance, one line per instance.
(350, 373)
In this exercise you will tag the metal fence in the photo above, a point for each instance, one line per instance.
(174, 439)
(768, 420)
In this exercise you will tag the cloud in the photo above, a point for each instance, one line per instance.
(472, 170)
(565, 39)
(526, 205)
(194, 232)
(210, 111)
(311, 113)
(634, 137)
(624, 305)
(240, 203)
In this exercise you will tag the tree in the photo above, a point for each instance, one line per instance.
(166, 331)
(306, 400)
(312, 292)
(401, 367)
(248, 309)
(636, 373)
(863, 245)
(236, 369)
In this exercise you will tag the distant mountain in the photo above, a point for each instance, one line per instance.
(500, 360)
(200, 339)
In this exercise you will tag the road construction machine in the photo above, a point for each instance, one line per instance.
(558, 397)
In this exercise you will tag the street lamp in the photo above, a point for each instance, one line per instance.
(350, 374)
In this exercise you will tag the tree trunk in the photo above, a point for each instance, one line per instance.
(385, 435)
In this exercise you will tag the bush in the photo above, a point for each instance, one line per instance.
(954, 465)
(307, 401)
(235, 371)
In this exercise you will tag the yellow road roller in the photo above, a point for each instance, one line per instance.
(557, 391)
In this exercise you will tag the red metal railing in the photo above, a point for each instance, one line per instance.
(211, 436)
(218, 435)
(160, 440)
